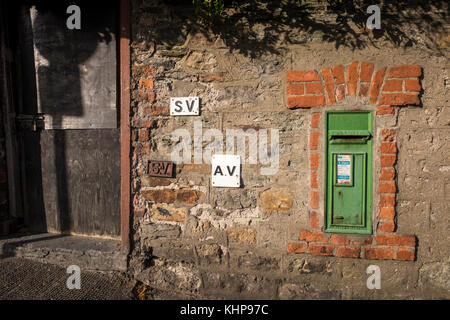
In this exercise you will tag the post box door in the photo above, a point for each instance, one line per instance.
(348, 194)
(348, 167)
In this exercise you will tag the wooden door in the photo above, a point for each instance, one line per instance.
(67, 118)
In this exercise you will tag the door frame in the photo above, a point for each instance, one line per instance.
(123, 99)
(125, 136)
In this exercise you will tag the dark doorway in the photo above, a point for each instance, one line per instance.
(67, 128)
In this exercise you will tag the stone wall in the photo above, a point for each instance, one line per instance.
(190, 239)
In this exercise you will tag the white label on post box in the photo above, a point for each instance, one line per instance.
(344, 169)
(226, 170)
(185, 106)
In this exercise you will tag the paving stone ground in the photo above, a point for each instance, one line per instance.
(23, 279)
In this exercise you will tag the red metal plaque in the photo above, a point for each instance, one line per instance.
(160, 168)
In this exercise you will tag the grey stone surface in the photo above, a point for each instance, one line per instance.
(64, 250)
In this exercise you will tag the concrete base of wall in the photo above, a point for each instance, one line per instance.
(65, 250)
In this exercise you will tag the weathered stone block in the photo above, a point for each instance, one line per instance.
(276, 199)
(242, 235)
(156, 231)
(164, 212)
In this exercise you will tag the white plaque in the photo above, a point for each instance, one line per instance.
(226, 170)
(185, 106)
(344, 169)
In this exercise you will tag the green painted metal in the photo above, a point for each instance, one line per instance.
(348, 201)
(340, 120)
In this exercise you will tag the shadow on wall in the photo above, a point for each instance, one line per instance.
(257, 27)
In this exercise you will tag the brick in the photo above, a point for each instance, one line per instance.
(312, 236)
(314, 180)
(405, 254)
(188, 196)
(143, 123)
(143, 71)
(379, 253)
(348, 252)
(352, 78)
(302, 76)
(386, 226)
(146, 84)
(388, 135)
(339, 239)
(143, 148)
(148, 97)
(396, 240)
(376, 85)
(405, 71)
(388, 160)
(321, 249)
(315, 199)
(329, 87)
(139, 212)
(387, 174)
(388, 147)
(160, 196)
(382, 110)
(365, 242)
(314, 140)
(147, 21)
(156, 110)
(314, 161)
(392, 85)
(134, 135)
(314, 220)
(412, 85)
(387, 201)
(143, 135)
(338, 74)
(313, 88)
(364, 90)
(295, 89)
(296, 247)
(340, 93)
(399, 99)
(315, 120)
(366, 71)
(387, 187)
(305, 101)
(157, 182)
(170, 196)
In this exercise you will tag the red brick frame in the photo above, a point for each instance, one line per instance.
(400, 87)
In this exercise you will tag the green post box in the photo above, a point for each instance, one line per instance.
(348, 172)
